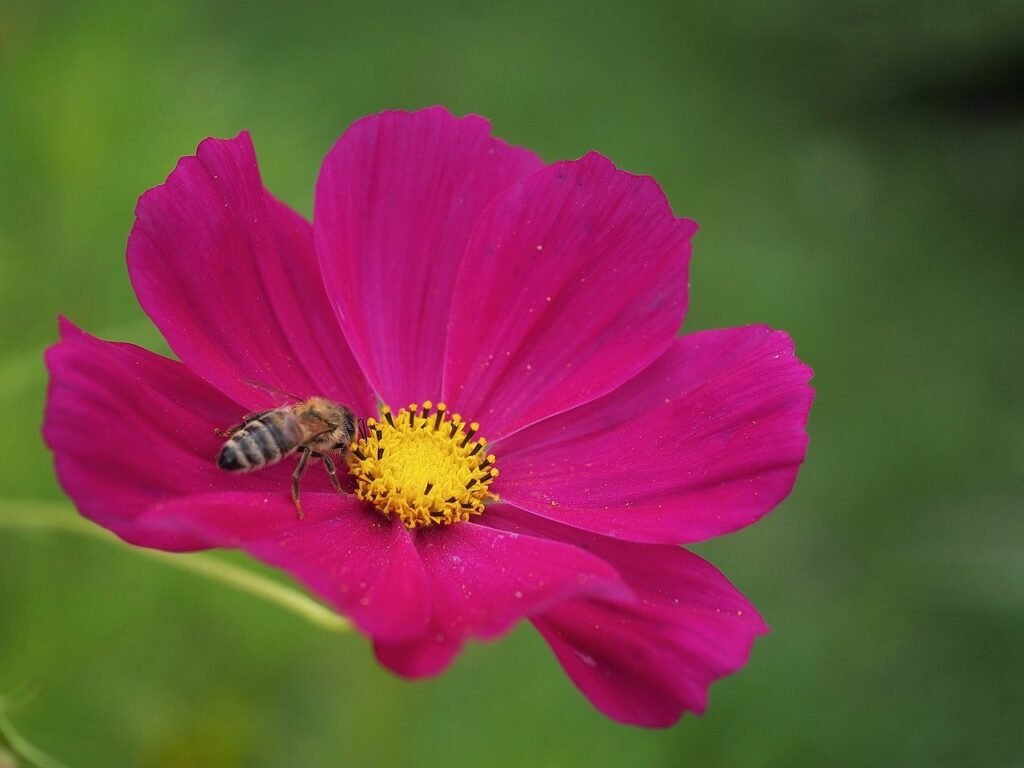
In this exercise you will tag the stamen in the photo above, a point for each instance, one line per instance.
(401, 453)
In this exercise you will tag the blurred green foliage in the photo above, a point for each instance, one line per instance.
(856, 169)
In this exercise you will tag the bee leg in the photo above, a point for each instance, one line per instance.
(329, 466)
(296, 475)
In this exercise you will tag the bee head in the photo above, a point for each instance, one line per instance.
(332, 413)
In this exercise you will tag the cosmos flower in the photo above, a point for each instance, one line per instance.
(540, 441)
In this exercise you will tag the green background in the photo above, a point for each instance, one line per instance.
(857, 171)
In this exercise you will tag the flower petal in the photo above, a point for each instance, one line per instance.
(361, 563)
(573, 282)
(483, 581)
(229, 276)
(232, 518)
(395, 204)
(131, 430)
(703, 442)
(647, 662)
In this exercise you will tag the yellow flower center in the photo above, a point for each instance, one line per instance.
(423, 466)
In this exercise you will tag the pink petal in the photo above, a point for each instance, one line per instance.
(483, 581)
(361, 563)
(131, 430)
(395, 203)
(229, 276)
(647, 662)
(573, 282)
(703, 442)
(233, 518)
(424, 656)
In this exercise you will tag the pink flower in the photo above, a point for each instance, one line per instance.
(539, 301)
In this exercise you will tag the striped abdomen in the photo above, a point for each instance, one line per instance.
(261, 441)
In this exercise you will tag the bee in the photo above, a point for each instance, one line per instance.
(316, 427)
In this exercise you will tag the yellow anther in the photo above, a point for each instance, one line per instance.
(423, 466)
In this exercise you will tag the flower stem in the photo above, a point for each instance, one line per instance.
(22, 748)
(36, 515)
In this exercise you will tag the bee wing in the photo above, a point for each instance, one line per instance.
(226, 433)
(270, 390)
(314, 426)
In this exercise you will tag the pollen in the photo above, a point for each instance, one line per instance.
(423, 465)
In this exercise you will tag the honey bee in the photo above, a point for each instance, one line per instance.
(315, 427)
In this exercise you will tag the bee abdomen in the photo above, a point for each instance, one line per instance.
(257, 444)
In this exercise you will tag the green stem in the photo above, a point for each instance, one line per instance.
(34, 515)
(22, 748)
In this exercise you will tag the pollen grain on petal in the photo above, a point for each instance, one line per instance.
(423, 465)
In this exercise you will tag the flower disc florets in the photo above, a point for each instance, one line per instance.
(423, 466)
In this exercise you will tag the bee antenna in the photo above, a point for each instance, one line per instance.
(362, 429)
